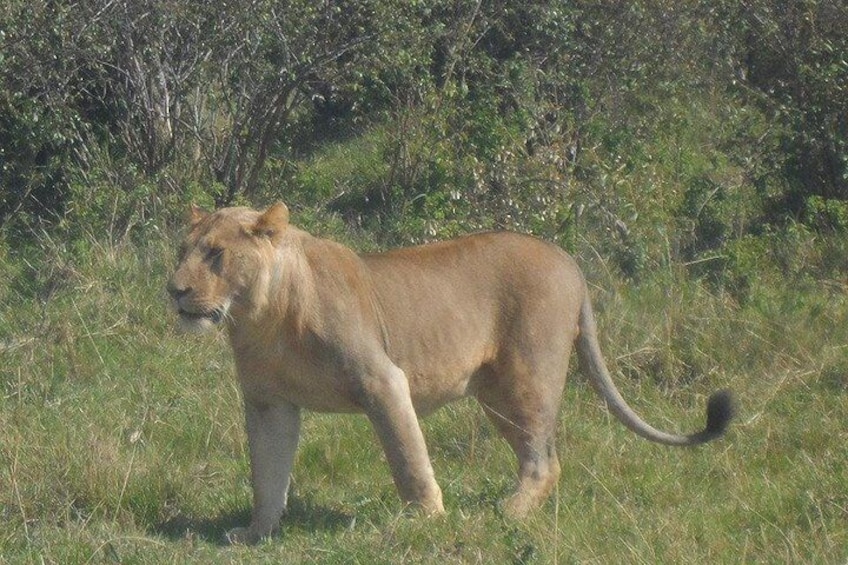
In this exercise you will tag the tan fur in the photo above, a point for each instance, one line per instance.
(395, 335)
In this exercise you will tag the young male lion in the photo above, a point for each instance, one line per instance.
(396, 335)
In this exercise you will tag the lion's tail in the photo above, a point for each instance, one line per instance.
(719, 407)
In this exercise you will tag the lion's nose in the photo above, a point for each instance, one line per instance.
(176, 291)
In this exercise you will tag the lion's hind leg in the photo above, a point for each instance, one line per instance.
(525, 414)
(538, 465)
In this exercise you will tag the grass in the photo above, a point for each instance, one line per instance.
(123, 442)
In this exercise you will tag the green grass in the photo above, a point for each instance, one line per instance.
(122, 441)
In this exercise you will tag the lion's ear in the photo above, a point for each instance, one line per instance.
(272, 222)
(196, 214)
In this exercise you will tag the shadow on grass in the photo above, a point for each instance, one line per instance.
(302, 515)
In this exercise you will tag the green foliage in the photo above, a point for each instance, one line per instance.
(826, 214)
(795, 59)
(503, 115)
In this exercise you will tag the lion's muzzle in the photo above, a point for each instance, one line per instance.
(193, 315)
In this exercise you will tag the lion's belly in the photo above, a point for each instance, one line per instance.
(430, 392)
(324, 390)
(437, 374)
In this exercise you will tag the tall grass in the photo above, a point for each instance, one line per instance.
(122, 441)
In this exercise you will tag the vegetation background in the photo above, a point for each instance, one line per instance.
(692, 155)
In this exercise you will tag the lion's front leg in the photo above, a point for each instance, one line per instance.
(388, 405)
(272, 433)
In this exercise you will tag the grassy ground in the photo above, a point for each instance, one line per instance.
(122, 441)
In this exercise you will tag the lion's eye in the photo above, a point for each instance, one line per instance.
(214, 253)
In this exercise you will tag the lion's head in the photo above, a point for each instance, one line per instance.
(226, 263)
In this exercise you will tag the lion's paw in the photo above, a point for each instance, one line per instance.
(517, 506)
(243, 536)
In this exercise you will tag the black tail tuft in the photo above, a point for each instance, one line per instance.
(720, 410)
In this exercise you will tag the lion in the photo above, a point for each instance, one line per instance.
(395, 335)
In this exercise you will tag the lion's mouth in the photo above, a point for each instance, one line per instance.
(215, 316)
